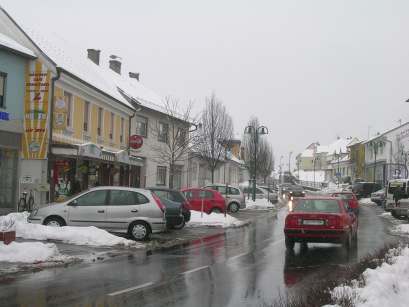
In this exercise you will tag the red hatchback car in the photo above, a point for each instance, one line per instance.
(350, 198)
(213, 201)
(321, 220)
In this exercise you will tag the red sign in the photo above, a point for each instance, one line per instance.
(135, 141)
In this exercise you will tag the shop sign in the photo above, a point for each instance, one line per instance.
(65, 169)
(114, 171)
(61, 163)
(91, 150)
(122, 156)
(4, 115)
(135, 141)
(27, 179)
(43, 187)
(83, 169)
(36, 111)
(92, 170)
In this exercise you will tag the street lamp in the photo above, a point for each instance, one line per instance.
(338, 156)
(375, 146)
(281, 168)
(289, 157)
(255, 132)
(315, 159)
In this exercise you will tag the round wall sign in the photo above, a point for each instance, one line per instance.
(135, 141)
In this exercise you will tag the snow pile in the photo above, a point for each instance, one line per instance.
(390, 280)
(213, 219)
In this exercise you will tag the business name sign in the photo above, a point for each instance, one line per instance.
(36, 111)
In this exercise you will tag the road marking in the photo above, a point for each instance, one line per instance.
(194, 270)
(237, 256)
(131, 289)
(276, 242)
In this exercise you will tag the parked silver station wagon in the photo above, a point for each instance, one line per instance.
(235, 197)
(115, 209)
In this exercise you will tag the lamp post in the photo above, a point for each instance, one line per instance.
(338, 156)
(375, 145)
(281, 169)
(315, 159)
(289, 159)
(255, 133)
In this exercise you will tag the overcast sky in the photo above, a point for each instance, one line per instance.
(308, 70)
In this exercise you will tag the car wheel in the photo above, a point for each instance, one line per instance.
(234, 207)
(216, 210)
(393, 213)
(139, 231)
(179, 226)
(289, 243)
(54, 222)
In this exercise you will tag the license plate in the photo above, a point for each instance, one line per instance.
(313, 222)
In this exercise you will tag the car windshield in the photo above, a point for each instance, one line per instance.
(297, 187)
(317, 205)
(343, 195)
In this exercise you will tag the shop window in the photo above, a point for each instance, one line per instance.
(2, 90)
(161, 175)
(142, 126)
(163, 132)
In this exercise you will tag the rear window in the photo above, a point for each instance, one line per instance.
(393, 186)
(343, 195)
(318, 205)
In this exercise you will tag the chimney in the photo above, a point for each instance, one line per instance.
(134, 75)
(93, 55)
(115, 65)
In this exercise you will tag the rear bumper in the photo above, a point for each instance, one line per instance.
(319, 236)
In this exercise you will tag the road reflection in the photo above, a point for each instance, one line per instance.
(310, 260)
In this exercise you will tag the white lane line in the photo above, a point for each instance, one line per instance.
(131, 289)
(276, 242)
(237, 256)
(194, 270)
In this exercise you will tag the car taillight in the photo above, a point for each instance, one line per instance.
(398, 204)
(180, 210)
(341, 223)
(291, 222)
(159, 203)
(186, 205)
(332, 223)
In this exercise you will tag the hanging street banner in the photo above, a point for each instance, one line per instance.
(36, 111)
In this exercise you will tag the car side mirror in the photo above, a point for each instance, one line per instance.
(73, 203)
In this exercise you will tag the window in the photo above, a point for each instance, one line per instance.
(2, 90)
(180, 137)
(161, 175)
(69, 108)
(121, 137)
(207, 194)
(86, 116)
(190, 194)
(142, 126)
(112, 127)
(163, 132)
(100, 121)
(194, 170)
(96, 198)
(122, 198)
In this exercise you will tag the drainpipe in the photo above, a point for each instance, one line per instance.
(50, 135)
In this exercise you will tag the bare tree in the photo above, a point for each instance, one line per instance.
(217, 130)
(174, 137)
(265, 157)
(400, 157)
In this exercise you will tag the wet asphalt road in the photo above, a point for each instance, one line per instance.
(247, 266)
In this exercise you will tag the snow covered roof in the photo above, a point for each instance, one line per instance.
(340, 145)
(322, 149)
(308, 153)
(65, 56)
(7, 43)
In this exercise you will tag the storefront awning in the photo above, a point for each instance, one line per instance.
(90, 150)
(122, 157)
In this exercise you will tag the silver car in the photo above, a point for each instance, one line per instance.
(261, 193)
(235, 197)
(115, 209)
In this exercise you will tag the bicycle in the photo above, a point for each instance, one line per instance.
(23, 204)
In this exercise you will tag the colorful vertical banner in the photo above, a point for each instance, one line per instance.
(60, 113)
(36, 111)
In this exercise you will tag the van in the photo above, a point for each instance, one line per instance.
(364, 189)
(389, 203)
